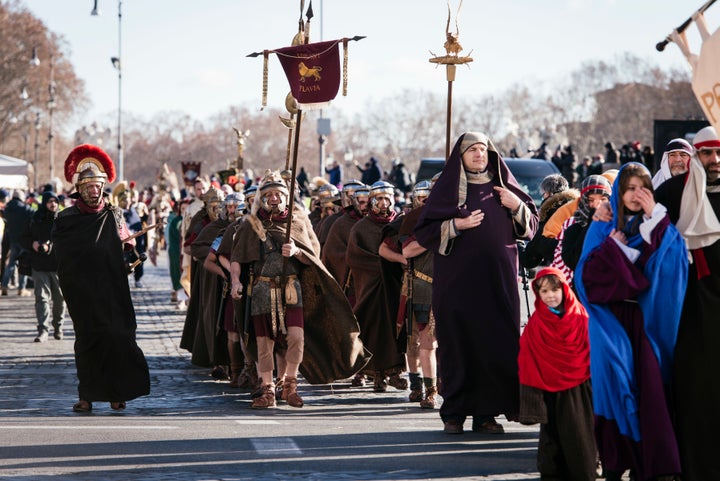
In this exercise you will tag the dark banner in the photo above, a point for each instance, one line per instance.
(313, 72)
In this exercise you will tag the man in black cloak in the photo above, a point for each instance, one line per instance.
(87, 239)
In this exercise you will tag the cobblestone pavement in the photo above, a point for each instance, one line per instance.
(192, 427)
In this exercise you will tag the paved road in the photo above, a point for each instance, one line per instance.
(192, 427)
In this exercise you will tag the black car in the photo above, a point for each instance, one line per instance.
(528, 172)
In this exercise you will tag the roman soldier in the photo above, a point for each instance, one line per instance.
(291, 296)
(89, 238)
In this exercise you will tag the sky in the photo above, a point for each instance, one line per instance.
(191, 55)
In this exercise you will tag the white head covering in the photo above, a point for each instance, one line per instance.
(697, 221)
(675, 145)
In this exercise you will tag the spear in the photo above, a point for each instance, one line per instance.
(298, 123)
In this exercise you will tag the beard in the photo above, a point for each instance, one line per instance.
(713, 176)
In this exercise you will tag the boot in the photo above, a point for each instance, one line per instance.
(429, 402)
(248, 376)
(235, 371)
(280, 389)
(379, 382)
(266, 398)
(358, 380)
(416, 392)
(290, 393)
(398, 382)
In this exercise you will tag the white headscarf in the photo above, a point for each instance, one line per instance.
(697, 221)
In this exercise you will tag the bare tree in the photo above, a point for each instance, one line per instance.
(25, 118)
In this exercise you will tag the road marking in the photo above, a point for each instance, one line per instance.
(255, 421)
(274, 446)
(99, 426)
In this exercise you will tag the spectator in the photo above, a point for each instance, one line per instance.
(36, 240)
(612, 155)
(303, 182)
(371, 173)
(648, 158)
(400, 177)
(556, 193)
(583, 170)
(334, 171)
(17, 217)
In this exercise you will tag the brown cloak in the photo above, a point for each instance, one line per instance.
(333, 349)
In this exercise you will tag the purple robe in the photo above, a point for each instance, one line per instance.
(475, 292)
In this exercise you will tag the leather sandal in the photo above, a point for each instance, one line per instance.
(290, 393)
(266, 398)
(118, 406)
(488, 427)
(82, 406)
(429, 402)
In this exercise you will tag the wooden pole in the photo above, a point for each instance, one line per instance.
(291, 202)
(289, 142)
(683, 26)
(448, 122)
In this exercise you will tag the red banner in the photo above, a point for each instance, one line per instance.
(313, 72)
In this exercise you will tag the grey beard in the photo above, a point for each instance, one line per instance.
(712, 177)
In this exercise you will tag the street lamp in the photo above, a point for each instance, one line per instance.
(323, 130)
(348, 156)
(37, 146)
(51, 107)
(118, 66)
(35, 60)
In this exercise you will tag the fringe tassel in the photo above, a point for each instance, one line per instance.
(345, 62)
(265, 79)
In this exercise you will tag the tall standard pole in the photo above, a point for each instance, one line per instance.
(121, 161)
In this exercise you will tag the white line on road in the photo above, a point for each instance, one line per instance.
(255, 421)
(49, 427)
(274, 446)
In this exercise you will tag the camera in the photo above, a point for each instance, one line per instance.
(45, 247)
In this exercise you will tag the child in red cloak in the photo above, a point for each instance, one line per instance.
(554, 371)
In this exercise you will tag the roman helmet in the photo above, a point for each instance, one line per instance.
(250, 196)
(348, 190)
(120, 195)
(382, 189)
(435, 178)
(89, 163)
(420, 193)
(213, 199)
(233, 206)
(361, 199)
(272, 181)
(329, 197)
